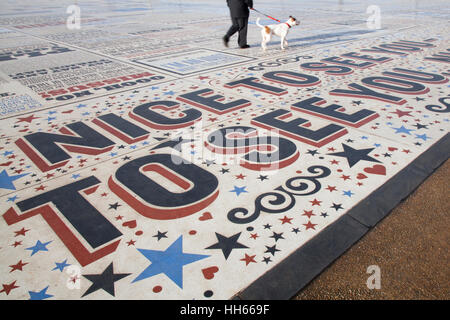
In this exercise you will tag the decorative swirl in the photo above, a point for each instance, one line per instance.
(276, 199)
(303, 188)
(440, 109)
(281, 200)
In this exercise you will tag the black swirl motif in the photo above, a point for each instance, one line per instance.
(440, 109)
(282, 198)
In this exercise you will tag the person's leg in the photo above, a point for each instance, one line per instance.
(242, 39)
(233, 29)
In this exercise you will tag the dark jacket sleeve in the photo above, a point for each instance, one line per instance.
(239, 8)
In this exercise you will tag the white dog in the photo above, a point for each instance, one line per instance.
(281, 30)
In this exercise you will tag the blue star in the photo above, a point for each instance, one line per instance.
(238, 190)
(169, 93)
(61, 265)
(112, 154)
(402, 129)
(39, 246)
(6, 181)
(51, 118)
(81, 106)
(41, 295)
(422, 136)
(7, 153)
(170, 262)
(348, 193)
(12, 199)
(76, 176)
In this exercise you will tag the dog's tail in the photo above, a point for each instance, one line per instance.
(257, 23)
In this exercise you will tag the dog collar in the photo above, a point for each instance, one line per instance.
(288, 25)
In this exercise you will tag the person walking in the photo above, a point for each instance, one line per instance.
(239, 13)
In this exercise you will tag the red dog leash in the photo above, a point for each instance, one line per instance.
(266, 15)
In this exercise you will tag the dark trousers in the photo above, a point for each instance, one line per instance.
(239, 25)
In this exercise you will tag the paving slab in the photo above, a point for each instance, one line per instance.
(142, 159)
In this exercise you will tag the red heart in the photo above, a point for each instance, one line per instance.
(205, 216)
(376, 169)
(392, 149)
(208, 273)
(361, 176)
(130, 224)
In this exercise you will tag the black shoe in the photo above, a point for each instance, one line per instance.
(225, 41)
(245, 46)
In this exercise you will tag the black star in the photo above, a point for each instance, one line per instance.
(419, 99)
(358, 102)
(420, 126)
(277, 236)
(224, 170)
(160, 235)
(267, 226)
(114, 206)
(262, 178)
(227, 244)
(126, 158)
(387, 154)
(271, 249)
(295, 230)
(121, 146)
(104, 281)
(266, 260)
(354, 155)
(336, 206)
(324, 214)
(312, 152)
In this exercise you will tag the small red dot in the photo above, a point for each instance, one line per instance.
(339, 170)
(138, 233)
(298, 171)
(157, 289)
(192, 232)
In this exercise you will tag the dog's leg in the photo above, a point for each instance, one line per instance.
(264, 43)
(283, 41)
(266, 34)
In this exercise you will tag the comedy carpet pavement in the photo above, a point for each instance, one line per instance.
(141, 159)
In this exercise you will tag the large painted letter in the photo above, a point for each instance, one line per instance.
(44, 150)
(164, 186)
(95, 229)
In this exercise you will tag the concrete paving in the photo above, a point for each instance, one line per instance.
(410, 246)
(142, 159)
